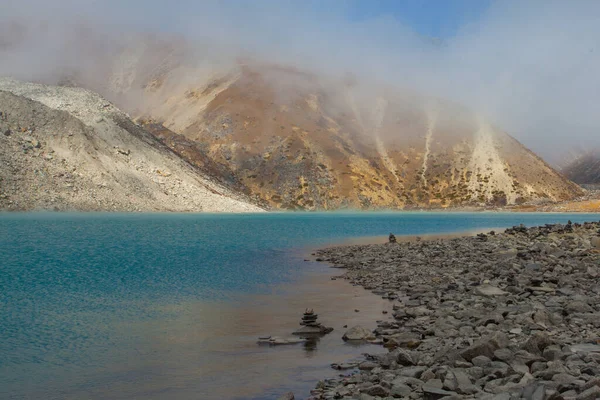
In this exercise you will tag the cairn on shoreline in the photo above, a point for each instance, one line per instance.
(310, 326)
(310, 330)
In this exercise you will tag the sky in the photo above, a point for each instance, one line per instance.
(529, 66)
(430, 18)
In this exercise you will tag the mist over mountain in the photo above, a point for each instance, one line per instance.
(331, 111)
(528, 67)
(585, 168)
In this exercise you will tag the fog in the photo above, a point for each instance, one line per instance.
(531, 67)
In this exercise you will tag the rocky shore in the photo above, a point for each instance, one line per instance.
(497, 316)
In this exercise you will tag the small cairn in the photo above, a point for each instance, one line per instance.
(310, 326)
(392, 238)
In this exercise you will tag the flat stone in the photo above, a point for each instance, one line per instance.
(585, 348)
(489, 290)
(412, 372)
(431, 391)
(276, 341)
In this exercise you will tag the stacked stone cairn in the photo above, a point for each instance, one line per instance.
(310, 326)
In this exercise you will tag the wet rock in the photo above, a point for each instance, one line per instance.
(367, 365)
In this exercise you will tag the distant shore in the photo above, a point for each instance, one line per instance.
(515, 312)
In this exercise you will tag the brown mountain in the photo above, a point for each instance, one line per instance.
(304, 141)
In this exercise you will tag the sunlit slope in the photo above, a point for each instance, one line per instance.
(302, 141)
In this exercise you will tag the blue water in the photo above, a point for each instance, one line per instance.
(75, 287)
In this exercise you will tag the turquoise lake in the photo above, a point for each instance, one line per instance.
(159, 306)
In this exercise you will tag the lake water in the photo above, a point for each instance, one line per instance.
(160, 306)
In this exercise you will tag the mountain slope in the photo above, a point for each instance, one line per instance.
(67, 148)
(585, 169)
(302, 142)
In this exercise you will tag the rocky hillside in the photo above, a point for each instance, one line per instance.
(65, 148)
(585, 169)
(300, 141)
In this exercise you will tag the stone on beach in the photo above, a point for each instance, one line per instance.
(276, 340)
(358, 333)
(488, 290)
(503, 316)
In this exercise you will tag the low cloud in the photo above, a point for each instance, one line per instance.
(530, 67)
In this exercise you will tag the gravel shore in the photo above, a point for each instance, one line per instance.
(500, 315)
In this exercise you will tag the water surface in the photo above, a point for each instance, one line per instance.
(170, 305)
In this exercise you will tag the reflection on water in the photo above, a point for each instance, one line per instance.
(209, 350)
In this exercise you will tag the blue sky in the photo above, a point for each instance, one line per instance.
(435, 18)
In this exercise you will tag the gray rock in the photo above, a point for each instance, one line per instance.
(578, 307)
(485, 346)
(404, 357)
(537, 343)
(400, 390)
(367, 365)
(377, 391)
(412, 372)
(481, 361)
(592, 393)
(358, 333)
(585, 348)
(432, 390)
(489, 290)
(503, 355)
